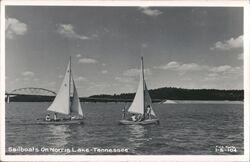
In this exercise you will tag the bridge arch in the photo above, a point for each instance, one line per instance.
(33, 91)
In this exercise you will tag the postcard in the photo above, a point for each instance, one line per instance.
(124, 81)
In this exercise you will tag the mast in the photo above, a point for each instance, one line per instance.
(143, 82)
(69, 83)
(75, 105)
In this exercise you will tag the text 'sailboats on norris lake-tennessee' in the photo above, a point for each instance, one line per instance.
(70, 110)
(141, 110)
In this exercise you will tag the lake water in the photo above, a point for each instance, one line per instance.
(189, 129)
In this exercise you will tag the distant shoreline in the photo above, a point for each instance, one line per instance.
(172, 102)
(164, 94)
(203, 102)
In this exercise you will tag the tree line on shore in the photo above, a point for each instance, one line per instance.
(157, 95)
(172, 93)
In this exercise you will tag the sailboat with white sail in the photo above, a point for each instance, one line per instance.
(65, 104)
(141, 110)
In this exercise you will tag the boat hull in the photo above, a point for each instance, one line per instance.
(145, 122)
(61, 122)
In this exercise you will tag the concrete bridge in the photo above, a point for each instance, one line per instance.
(29, 91)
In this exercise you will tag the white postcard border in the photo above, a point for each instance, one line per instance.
(200, 3)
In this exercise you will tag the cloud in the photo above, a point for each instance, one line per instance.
(210, 71)
(181, 67)
(67, 30)
(78, 55)
(80, 79)
(190, 67)
(14, 27)
(226, 70)
(232, 43)
(87, 61)
(104, 71)
(60, 76)
(170, 65)
(130, 76)
(27, 74)
(150, 12)
(224, 73)
(125, 79)
(219, 69)
(136, 72)
(206, 76)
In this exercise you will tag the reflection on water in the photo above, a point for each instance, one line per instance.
(59, 133)
(136, 135)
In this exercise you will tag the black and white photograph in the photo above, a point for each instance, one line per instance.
(119, 79)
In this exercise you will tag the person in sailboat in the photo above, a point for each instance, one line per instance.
(55, 117)
(47, 118)
(133, 117)
(64, 104)
(139, 117)
(148, 112)
(123, 113)
(72, 117)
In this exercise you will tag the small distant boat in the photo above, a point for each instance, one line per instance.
(62, 103)
(169, 102)
(141, 106)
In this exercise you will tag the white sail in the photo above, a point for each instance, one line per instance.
(62, 100)
(142, 98)
(137, 105)
(76, 105)
(148, 101)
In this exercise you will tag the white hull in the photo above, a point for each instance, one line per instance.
(61, 122)
(144, 122)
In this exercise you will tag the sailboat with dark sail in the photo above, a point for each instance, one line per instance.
(64, 104)
(141, 110)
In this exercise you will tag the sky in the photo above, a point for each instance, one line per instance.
(185, 47)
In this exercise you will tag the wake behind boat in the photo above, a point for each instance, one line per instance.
(71, 111)
(141, 111)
